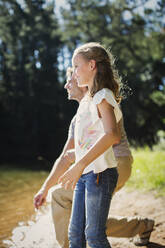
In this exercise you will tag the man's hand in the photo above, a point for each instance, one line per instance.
(40, 198)
(70, 155)
(71, 176)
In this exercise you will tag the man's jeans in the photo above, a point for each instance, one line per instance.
(90, 209)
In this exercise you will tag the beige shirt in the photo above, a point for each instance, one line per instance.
(89, 128)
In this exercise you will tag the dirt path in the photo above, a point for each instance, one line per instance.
(40, 234)
(144, 204)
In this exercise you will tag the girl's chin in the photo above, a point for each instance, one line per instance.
(80, 84)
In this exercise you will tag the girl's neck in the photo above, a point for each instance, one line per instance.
(90, 84)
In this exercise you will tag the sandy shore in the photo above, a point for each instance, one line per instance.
(39, 231)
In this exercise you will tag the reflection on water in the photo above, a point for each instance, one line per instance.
(17, 189)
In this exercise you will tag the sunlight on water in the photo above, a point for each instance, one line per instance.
(17, 189)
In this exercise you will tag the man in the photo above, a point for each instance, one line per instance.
(62, 199)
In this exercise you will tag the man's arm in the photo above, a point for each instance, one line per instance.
(59, 167)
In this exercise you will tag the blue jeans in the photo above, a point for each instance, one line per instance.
(90, 208)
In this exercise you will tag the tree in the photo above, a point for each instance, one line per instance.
(134, 38)
(30, 92)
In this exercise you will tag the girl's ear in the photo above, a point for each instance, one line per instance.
(92, 64)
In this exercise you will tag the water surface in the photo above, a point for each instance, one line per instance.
(17, 189)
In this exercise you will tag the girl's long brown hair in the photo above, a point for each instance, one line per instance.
(106, 75)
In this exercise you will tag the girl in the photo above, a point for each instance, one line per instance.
(94, 174)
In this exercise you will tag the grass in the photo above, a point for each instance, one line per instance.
(17, 177)
(148, 172)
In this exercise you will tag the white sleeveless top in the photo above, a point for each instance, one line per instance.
(89, 128)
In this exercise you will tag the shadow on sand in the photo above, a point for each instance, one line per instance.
(155, 245)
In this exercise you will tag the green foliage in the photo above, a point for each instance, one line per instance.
(148, 171)
(160, 146)
(30, 93)
(136, 41)
(158, 97)
(34, 110)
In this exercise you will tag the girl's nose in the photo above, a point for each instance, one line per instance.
(66, 86)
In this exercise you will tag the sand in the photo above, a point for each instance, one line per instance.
(39, 231)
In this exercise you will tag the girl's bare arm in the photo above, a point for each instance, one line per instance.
(111, 136)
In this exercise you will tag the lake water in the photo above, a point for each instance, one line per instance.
(17, 189)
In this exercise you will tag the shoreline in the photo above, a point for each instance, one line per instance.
(39, 232)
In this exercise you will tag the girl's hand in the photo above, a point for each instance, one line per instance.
(71, 176)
